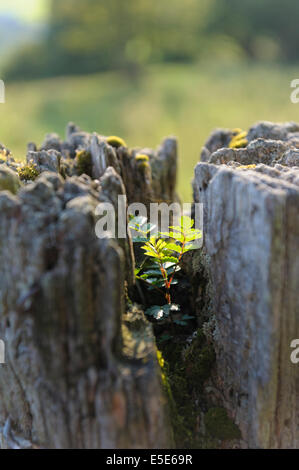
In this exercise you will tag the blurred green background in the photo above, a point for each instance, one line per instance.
(146, 69)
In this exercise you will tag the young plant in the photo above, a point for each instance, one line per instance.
(163, 254)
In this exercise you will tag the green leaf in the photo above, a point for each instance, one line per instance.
(159, 283)
(177, 236)
(153, 240)
(169, 265)
(149, 228)
(139, 239)
(149, 248)
(180, 322)
(160, 245)
(192, 230)
(196, 235)
(187, 317)
(137, 271)
(174, 247)
(151, 254)
(153, 280)
(160, 312)
(141, 231)
(153, 272)
(172, 271)
(164, 234)
(173, 268)
(166, 253)
(141, 228)
(155, 311)
(190, 247)
(165, 338)
(171, 259)
(138, 221)
(186, 222)
(171, 308)
(144, 276)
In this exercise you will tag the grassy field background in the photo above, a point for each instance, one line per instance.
(185, 101)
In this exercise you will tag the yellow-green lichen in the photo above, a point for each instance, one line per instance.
(3, 157)
(84, 163)
(246, 167)
(115, 141)
(144, 166)
(9, 180)
(160, 359)
(220, 426)
(239, 139)
(142, 158)
(237, 131)
(28, 172)
(239, 144)
(4, 154)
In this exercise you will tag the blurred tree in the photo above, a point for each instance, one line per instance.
(86, 36)
(93, 35)
(259, 26)
(98, 34)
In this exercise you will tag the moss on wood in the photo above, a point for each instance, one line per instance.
(220, 426)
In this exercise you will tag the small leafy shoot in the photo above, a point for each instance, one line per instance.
(163, 252)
